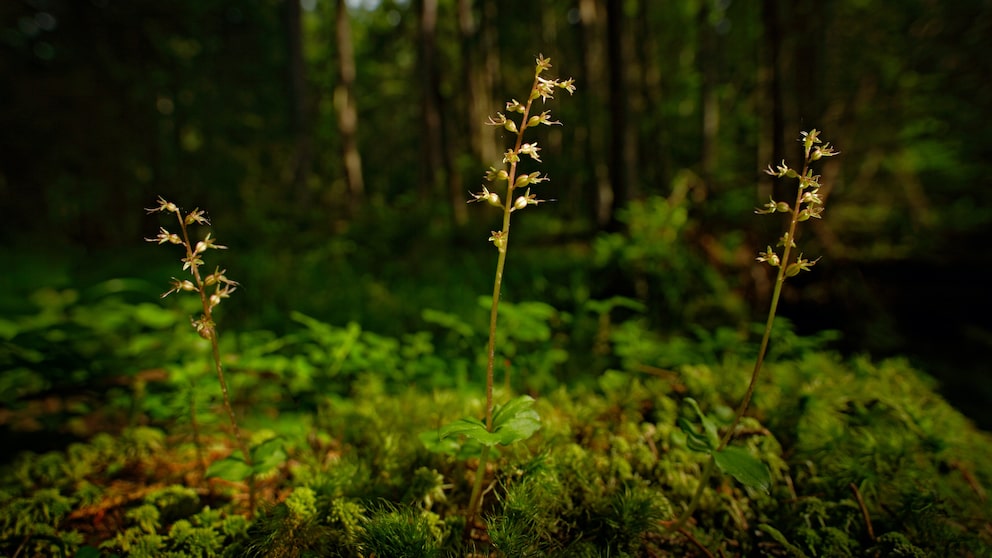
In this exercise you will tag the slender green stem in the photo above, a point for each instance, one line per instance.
(475, 501)
(759, 360)
(201, 463)
(772, 309)
(215, 349)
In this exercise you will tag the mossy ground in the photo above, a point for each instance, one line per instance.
(866, 459)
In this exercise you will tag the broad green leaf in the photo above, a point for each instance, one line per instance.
(433, 441)
(268, 455)
(516, 420)
(512, 422)
(744, 467)
(230, 468)
(471, 427)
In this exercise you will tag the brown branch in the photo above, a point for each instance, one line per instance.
(864, 510)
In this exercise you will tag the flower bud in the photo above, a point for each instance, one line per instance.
(520, 203)
(498, 240)
(510, 126)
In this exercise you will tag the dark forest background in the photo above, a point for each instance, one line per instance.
(334, 144)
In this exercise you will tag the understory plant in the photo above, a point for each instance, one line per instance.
(211, 288)
(807, 205)
(516, 420)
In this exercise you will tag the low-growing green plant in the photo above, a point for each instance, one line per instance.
(808, 204)
(212, 288)
(515, 420)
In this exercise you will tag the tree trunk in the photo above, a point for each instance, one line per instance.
(477, 95)
(707, 66)
(433, 166)
(596, 155)
(347, 111)
(300, 128)
(616, 76)
(771, 140)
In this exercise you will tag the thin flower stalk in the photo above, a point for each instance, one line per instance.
(543, 89)
(808, 204)
(205, 327)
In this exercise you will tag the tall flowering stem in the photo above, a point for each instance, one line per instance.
(515, 180)
(807, 205)
(205, 327)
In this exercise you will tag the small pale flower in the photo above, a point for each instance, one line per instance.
(772, 206)
(492, 175)
(545, 89)
(514, 105)
(197, 216)
(498, 120)
(801, 264)
(543, 118)
(163, 205)
(780, 170)
(511, 156)
(811, 197)
(543, 63)
(179, 285)
(191, 261)
(499, 240)
(165, 236)
(525, 200)
(204, 327)
(769, 256)
(492, 198)
(531, 149)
